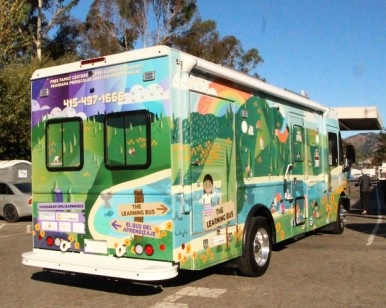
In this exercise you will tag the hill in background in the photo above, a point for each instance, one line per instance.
(365, 144)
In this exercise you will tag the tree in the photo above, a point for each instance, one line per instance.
(13, 18)
(203, 40)
(380, 154)
(117, 25)
(104, 31)
(15, 130)
(155, 22)
(66, 40)
(25, 26)
(44, 16)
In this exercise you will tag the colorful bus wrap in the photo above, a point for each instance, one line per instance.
(153, 160)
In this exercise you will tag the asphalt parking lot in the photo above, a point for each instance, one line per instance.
(318, 270)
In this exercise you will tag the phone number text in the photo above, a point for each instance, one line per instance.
(90, 100)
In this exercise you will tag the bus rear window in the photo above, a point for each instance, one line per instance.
(128, 140)
(64, 144)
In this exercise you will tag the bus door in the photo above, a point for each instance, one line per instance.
(335, 175)
(296, 188)
(316, 180)
(212, 162)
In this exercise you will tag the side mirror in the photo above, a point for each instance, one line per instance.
(350, 157)
(350, 153)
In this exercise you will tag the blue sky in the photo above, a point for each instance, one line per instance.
(333, 49)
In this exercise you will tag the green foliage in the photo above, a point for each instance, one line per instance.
(13, 17)
(66, 40)
(102, 30)
(380, 154)
(203, 40)
(15, 111)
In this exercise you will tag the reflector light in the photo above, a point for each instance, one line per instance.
(162, 247)
(138, 249)
(149, 250)
(57, 241)
(30, 201)
(50, 241)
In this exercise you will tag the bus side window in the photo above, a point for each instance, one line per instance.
(332, 149)
(298, 143)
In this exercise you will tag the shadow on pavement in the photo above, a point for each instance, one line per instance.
(123, 286)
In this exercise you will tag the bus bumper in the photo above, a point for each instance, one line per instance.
(110, 266)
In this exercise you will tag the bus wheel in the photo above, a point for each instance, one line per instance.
(257, 248)
(340, 223)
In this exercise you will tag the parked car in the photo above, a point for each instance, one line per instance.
(15, 201)
(15, 189)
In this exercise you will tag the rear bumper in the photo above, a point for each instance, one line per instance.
(110, 266)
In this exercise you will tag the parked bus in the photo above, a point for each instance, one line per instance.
(153, 160)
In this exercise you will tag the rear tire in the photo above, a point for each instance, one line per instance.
(257, 248)
(10, 213)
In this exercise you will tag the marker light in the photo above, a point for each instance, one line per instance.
(92, 61)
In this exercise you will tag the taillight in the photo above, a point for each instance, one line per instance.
(50, 241)
(30, 201)
(149, 250)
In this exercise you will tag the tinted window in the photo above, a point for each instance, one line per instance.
(128, 140)
(5, 190)
(25, 188)
(64, 144)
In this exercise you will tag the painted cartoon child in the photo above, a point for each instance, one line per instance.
(207, 197)
(299, 215)
(315, 212)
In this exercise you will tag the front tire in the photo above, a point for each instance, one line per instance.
(257, 248)
(10, 213)
(340, 223)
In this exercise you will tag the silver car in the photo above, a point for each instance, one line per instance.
(15, 201)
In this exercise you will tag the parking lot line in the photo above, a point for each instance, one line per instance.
(14, 234)
(379, 221)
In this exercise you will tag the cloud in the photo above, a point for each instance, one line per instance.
(139, 94)
(35, 106)
(67, 112)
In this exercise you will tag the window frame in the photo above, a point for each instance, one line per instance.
(294, 145)
(147, 122)
(333, 149)
(63, 121)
